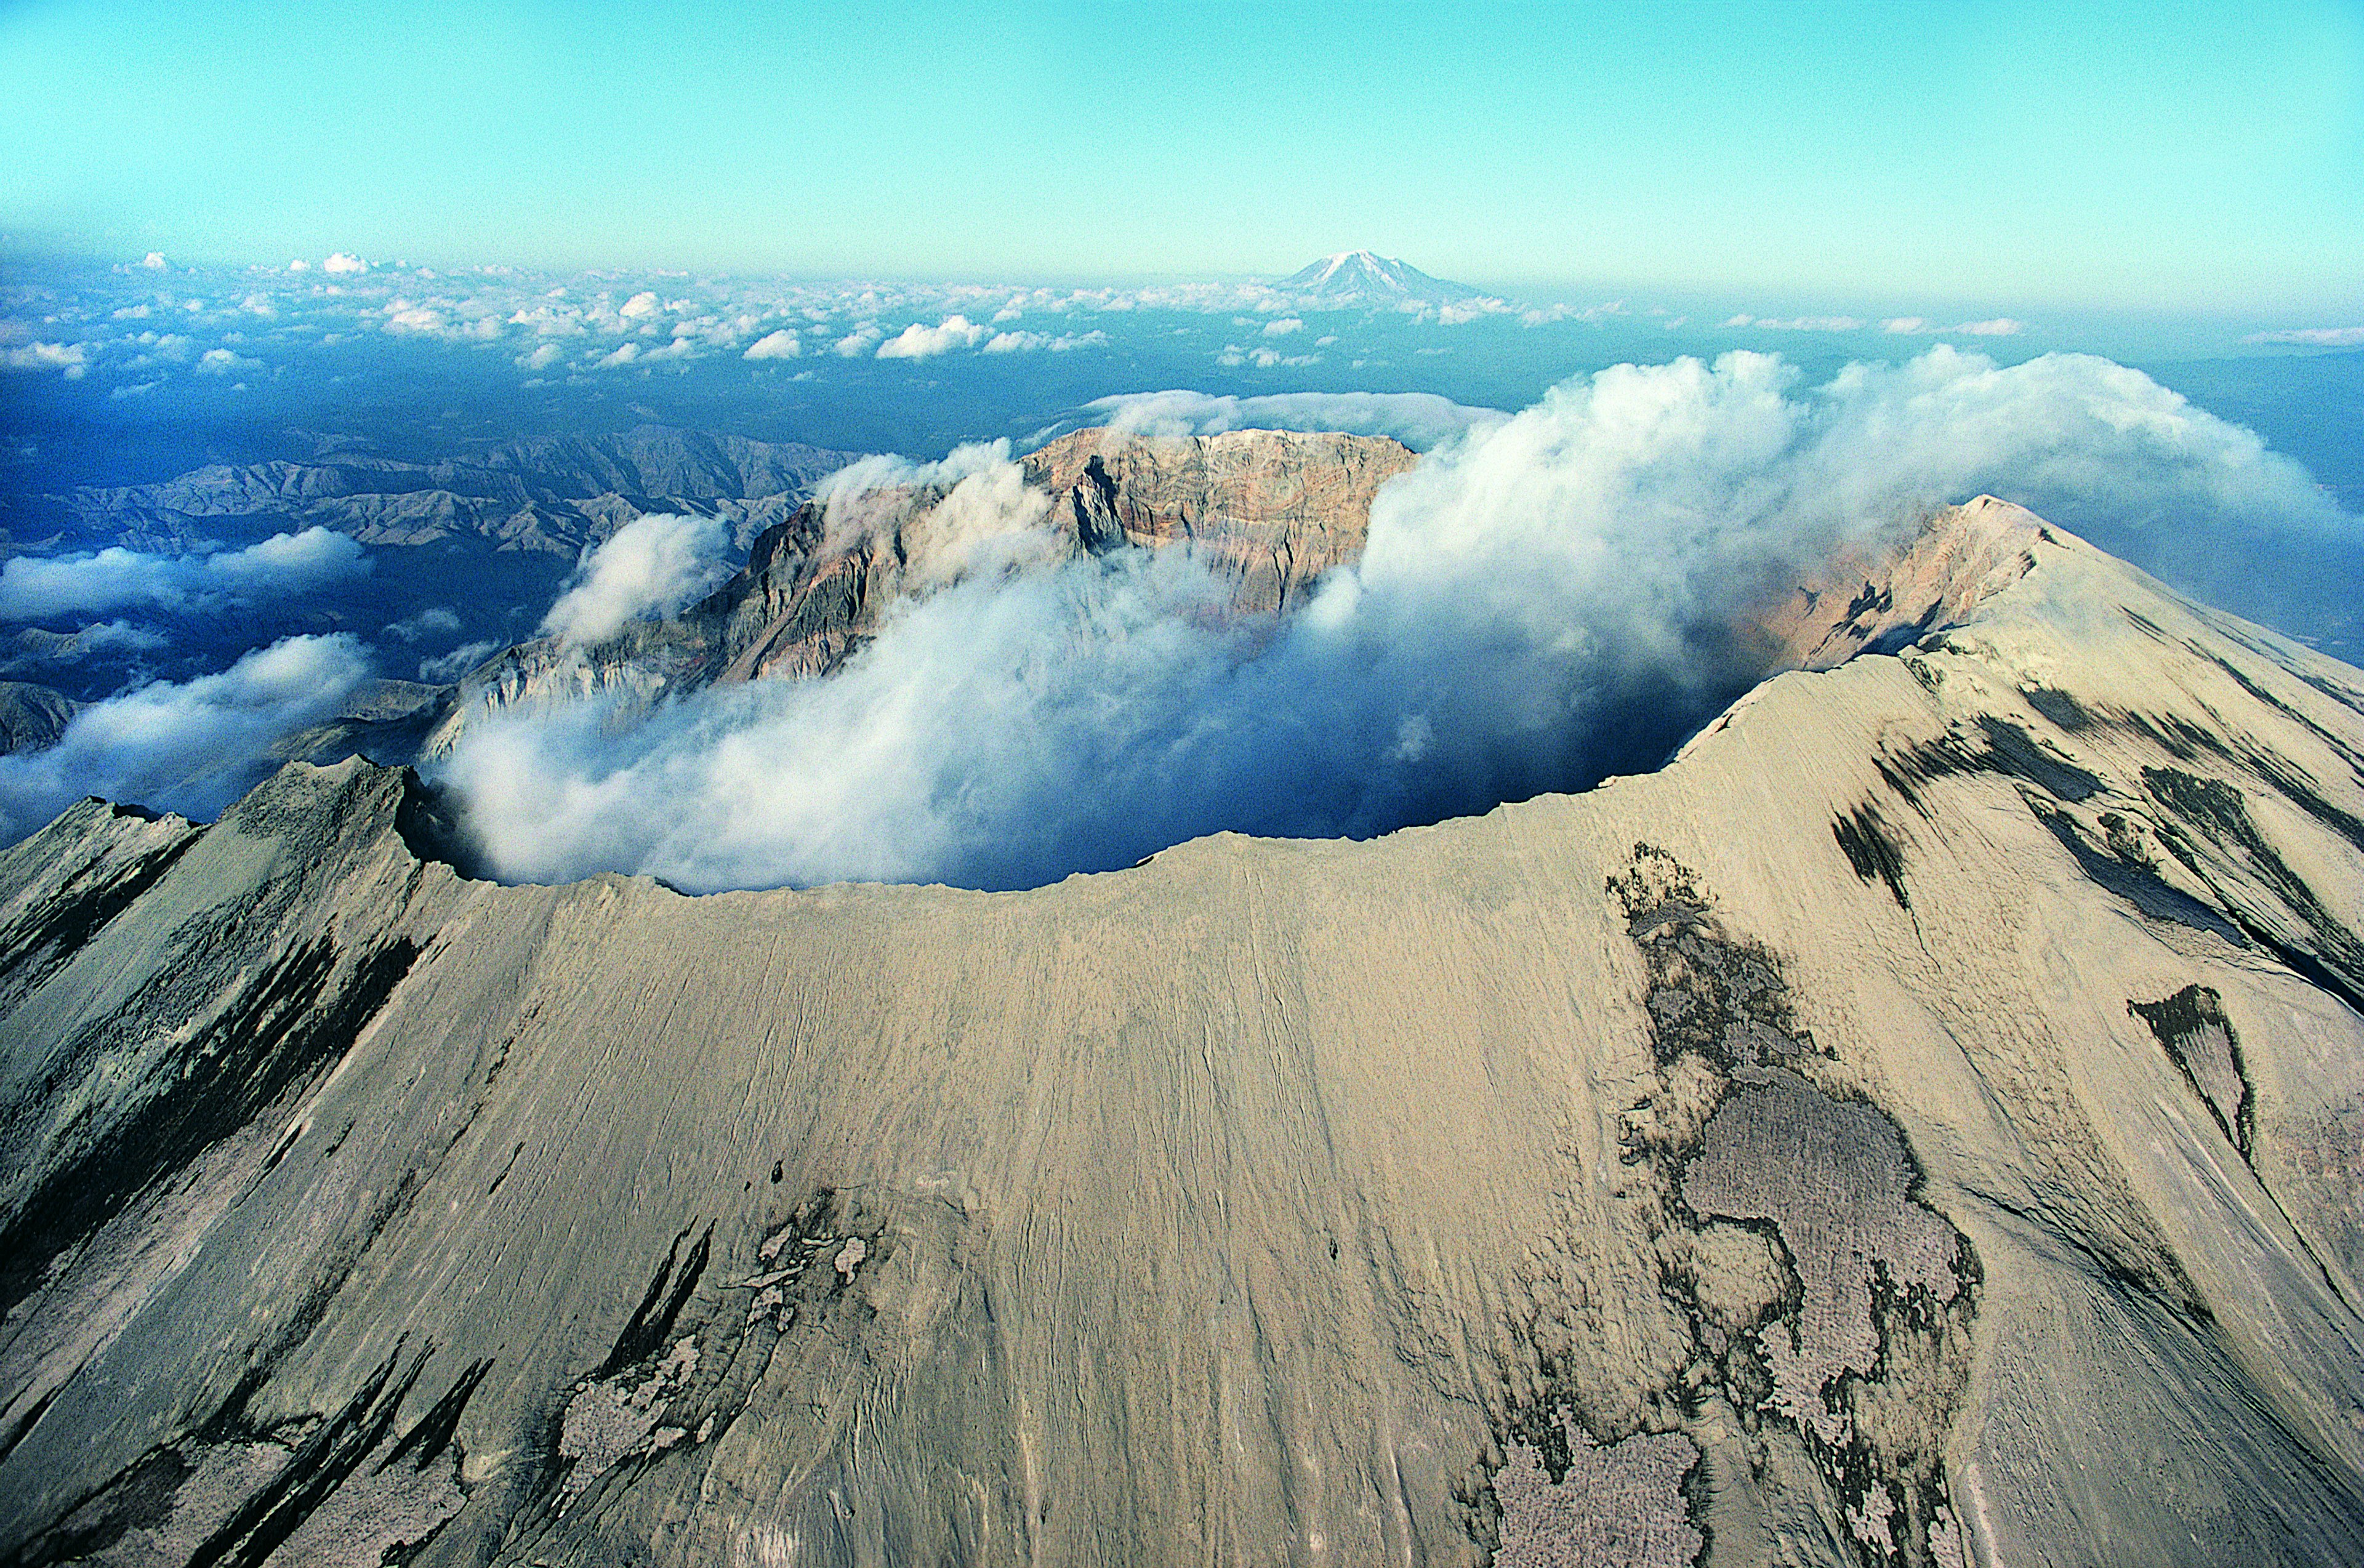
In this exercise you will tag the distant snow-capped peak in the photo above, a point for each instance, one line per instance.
(1355, 275)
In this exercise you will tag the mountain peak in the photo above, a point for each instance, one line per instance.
(1363, 276)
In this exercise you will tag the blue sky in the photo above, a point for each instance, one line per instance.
(2199, 157)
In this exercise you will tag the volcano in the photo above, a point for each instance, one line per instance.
(1918, 1124)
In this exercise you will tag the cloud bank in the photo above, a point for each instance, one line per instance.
(1419, 419)
(2318, 337)
(650, 566)
(191, 747)
(35, 588)
(1546, 598)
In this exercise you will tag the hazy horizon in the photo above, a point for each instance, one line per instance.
(1859, 151)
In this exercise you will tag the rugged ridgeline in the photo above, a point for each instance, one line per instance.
(1921, 1124)
(1268, 510)
(556, 495)
(32, 716)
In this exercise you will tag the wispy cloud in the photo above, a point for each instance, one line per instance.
(444, 668)
(1419, 419)
(2322, 336)
(1796, 323)
(1921, 326)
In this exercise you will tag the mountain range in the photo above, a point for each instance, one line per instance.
(554, 495)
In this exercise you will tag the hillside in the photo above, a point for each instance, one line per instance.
(1919, 1124)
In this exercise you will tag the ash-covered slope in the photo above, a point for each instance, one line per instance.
(1921, 1124)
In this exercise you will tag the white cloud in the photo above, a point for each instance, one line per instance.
(299, 265)
(55, 587)
(1918, 326)
(1457, 313)
(918, 343)
(622, 354)
(651, 566)
(190, 746)
(70, 358)
(1543, 316)
(1034, 342)
(433, 621)
(1419, 419)
(548, 320)
(856, 344)
(2322, 337)
(1540, 601)
(403, 317)
(542, 358)
(640, 305)
(445, 668)
(1283, 326)
(1262, 357)
(154, 261)
(782, 344)
(344, 265)
(1798, 323)
(225, 362)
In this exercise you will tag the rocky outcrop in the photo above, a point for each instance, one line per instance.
(1270, 510)
(1918, 1124)
(32, 716)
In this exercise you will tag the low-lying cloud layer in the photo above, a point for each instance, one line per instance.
(1546, 600)
(190, 746)
(1419, 419)
(35, 588)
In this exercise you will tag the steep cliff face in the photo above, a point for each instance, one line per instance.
(1272, 510)
(1268, 509)
(1919, 1125)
